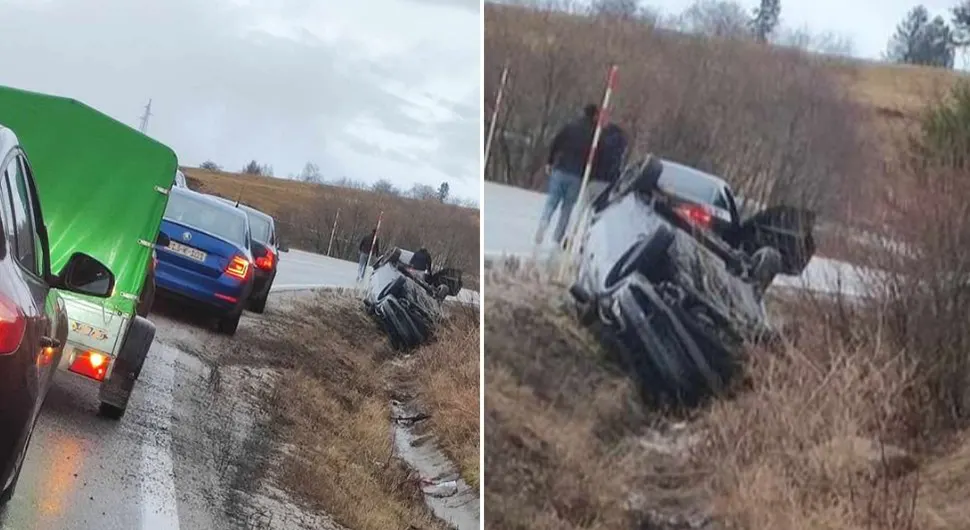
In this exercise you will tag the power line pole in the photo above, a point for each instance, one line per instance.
(144, 118)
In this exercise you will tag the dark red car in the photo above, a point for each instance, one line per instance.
(33, 322)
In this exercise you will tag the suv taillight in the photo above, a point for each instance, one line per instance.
(238, 267)
(695, 214)
(265, 261)
(13, 325)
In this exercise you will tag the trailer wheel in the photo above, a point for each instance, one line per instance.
(147, 296)
(116, 390)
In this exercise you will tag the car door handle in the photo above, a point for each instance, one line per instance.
(47, 342)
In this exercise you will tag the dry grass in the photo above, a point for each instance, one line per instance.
(333, 402)
(446, 375)
(830, 431)
(305, 214)
(562, 427)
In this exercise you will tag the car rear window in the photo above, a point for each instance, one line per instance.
(259, 226)
(224, 222)
(688, 184)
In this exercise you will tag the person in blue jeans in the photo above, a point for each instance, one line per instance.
(565, 165)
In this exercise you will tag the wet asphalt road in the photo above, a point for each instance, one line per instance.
(86, 472)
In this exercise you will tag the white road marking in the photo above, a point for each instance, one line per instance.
(159, 504)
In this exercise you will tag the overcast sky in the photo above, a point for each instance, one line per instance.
(868, 23)
(366, 89)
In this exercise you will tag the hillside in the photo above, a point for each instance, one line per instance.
(305, 213)
(781, 124)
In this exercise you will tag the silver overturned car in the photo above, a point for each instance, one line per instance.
(405, 298)
(674, 300)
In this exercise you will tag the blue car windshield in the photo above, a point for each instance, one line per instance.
(221, 221)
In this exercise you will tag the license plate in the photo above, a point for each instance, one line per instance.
(187, 251)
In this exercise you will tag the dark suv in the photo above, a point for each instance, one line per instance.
(266, 249)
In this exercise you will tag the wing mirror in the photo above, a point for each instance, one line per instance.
(282, 247)
(85, 275)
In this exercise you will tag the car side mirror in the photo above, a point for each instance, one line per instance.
(85, 275)
(282, 247)
(162, 240)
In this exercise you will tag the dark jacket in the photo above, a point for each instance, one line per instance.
(570, 146)
(610, 153)
(365, 244)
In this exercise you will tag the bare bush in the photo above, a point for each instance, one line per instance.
(772, 121)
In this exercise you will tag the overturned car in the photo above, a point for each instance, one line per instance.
(674, 298)
(406, 299)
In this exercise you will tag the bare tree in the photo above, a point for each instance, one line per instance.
(384, 187)
(311, 173)
(715, 18)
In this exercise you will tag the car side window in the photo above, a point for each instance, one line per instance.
(720, 201)
(26, 239)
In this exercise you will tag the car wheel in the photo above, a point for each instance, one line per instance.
(258, 305)
(147, 297)
(649, 257)
(228, 324)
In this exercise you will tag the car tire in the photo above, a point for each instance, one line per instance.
(258, 305)
(228, 325)
(648, 257)
(147, 296)
(116, 390)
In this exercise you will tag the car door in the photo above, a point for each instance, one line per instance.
(28, 254)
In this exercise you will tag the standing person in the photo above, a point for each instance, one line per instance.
(608, 163)
(565, 165)
(365, 252)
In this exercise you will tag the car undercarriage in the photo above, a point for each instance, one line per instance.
(408, 303)
(675, 303)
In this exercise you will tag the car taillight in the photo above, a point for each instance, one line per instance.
(91, 364)
(13, 325)
(265, 262)
(238, 267)
(695, 214)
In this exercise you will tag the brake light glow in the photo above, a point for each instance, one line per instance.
(90, 363)
(13, 325)
(265, 262)
(695, 214)
(238, 267)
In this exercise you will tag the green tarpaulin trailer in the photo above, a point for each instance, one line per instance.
(103, 188)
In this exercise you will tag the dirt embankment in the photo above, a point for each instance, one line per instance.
(829, 431)
(321, 419)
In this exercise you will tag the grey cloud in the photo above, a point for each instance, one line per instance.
(224, 93)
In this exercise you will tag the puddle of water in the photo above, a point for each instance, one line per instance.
(450, 498)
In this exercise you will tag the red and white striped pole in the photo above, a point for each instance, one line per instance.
(491, 126)
(374, 239)
(602, 118)
(333, 231)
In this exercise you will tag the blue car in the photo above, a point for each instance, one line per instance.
(207, 260)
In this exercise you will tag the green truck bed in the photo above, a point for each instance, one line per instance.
(98, 181)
